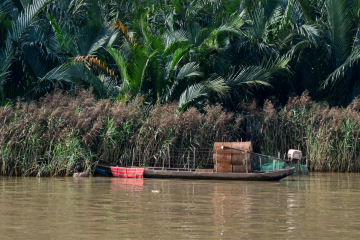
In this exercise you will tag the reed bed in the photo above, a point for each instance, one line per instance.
(50, 137)
(328, 137)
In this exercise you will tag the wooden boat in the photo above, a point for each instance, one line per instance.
(272, 175)
(209, 174)
(232, 161)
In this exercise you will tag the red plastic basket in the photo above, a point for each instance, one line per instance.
(127, 172)
(131, 172)
(139, 172)
(119, 172)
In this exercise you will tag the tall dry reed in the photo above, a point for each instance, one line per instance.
(50, 137)
(328, 137)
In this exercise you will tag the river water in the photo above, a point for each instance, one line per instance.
(322, 206)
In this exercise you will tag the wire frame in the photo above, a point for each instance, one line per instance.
(170, 157)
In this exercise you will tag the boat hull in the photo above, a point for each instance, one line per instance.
(274, 175)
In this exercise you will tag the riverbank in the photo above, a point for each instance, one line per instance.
(50, 137)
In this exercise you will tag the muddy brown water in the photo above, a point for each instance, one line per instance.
(322, 206)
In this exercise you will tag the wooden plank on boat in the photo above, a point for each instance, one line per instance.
(204, 170)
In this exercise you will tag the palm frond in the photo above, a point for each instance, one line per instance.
(172, 37)
(339, 29)
(218, 85)
(78, 8)
(101, 40)
(77, 73)
(137, 69)
(120, 26)
(61, 40)
(88, 36)
(38, 59)
(307, 7)
(121, 64)
(6, 63)
(57, 75)
(191, 94)
(96, 65)
(202, 89)
(310, 32)
(190, 69)
(196, 34)
(61, 75)
(259, 76)
(174, 60)
(356, 38)
(258, 20)
(6, 6)
(340, 72)
(113, 38)
(249, 75)
(27, 18)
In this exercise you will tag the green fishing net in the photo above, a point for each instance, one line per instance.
(266, 164)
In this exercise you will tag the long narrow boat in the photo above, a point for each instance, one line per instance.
(157, 172)
(271, 175)
(230, 163)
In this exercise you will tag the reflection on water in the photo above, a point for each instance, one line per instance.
(127, 186)
(320, 206)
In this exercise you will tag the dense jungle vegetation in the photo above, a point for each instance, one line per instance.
(181, 73)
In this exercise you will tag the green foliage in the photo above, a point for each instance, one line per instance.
(192, 51)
